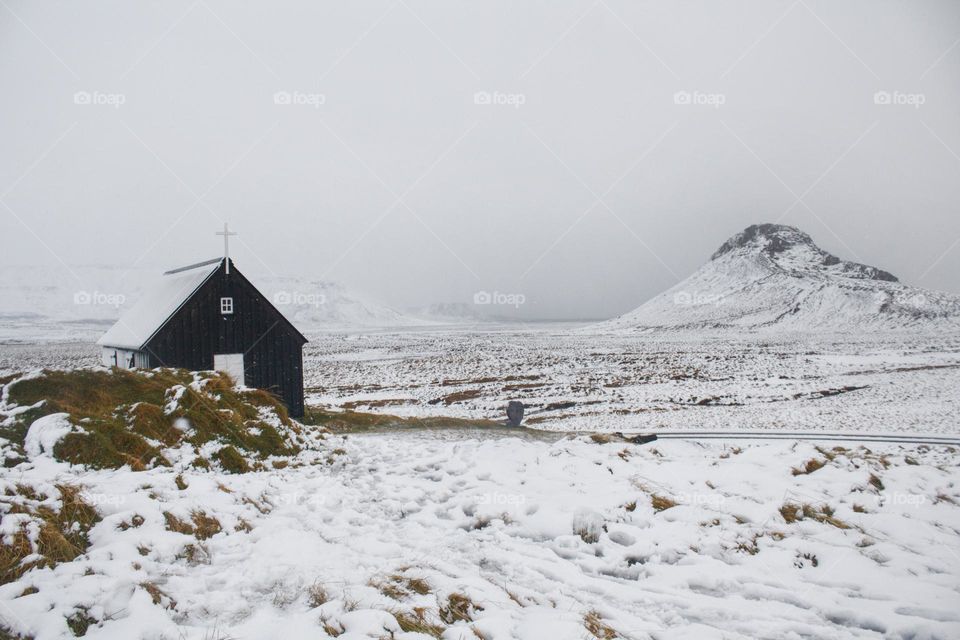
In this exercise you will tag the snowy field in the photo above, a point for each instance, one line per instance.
(577, 380)
(477, 533)
(572, 379)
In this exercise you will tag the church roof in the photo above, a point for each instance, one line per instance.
(135, 328)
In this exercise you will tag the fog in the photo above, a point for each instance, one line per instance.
(586, 155)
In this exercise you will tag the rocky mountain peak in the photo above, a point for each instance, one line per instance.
(768, 238)
(773, 240)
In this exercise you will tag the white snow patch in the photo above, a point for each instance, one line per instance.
(45, 432)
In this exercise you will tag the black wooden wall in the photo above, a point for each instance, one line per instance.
(272, 347)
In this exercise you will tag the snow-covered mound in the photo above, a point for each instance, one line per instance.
(774, 276)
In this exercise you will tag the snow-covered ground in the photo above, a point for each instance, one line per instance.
(578, 380)
(573, 380)
(479, 533)
(533, 538)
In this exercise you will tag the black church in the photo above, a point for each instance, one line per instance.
(208, 316)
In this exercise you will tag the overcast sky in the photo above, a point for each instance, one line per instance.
(424, 151)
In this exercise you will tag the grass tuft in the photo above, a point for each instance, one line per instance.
(792, 512)
(459, 607)
(661, 503)
(813, 464)
(317, 595)
(62, 535)
(597, 628)
(416, 621)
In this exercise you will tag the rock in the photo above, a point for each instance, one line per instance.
(514, 413)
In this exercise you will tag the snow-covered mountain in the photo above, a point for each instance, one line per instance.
(318, 305)
(774, 276)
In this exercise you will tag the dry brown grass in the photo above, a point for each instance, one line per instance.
(458, 607)
(597, 628)
(398, 586)
(793, 512)
(62, 534)
(811, 465)
(135, 522)
(205, 526)
(416, 621)
(158, 596)
(195, 554)
(317, 595)
(661, 503)
(80, 621)
(329, 629)
(202, 526)
(790, 512)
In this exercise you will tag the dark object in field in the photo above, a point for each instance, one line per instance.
(643, 438)
(514, 413)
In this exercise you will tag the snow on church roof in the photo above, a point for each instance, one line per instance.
(157, 304)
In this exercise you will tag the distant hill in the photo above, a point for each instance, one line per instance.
(318, 305)
(772, 276)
